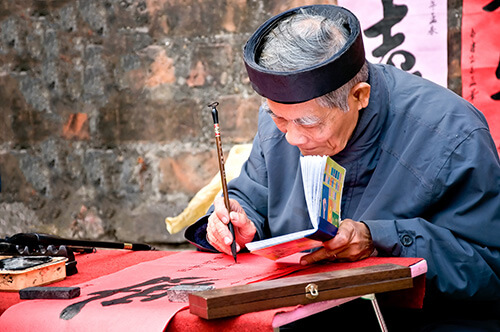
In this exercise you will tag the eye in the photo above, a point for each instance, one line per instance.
(274, 116)
(278, 120)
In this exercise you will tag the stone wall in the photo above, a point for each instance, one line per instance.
(104, 129)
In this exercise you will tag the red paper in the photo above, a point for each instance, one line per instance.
(136, 296)
(481, 60)
(91, 266)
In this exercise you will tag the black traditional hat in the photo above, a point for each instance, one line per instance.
(305, 84)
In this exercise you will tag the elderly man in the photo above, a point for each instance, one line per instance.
(422, 171)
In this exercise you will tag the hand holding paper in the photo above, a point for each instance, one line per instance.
(323, 182)
(353, 242)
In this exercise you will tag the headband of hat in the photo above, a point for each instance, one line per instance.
(305, 84)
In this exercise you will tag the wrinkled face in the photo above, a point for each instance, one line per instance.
(314, 129)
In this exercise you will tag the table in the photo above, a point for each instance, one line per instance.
(105, 262)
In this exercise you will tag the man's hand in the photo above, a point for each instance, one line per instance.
(353, 242)
(218, 233)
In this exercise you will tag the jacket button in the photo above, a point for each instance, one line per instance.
(406, 240)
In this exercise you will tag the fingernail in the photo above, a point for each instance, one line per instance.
(224, 220)
(227, 241)
(303, 262)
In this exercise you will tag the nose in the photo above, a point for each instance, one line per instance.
(293, 135)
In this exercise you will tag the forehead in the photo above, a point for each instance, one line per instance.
(297, 111)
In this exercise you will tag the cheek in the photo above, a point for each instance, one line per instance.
(322, 135)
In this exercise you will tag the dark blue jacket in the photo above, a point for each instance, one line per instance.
(422, 172)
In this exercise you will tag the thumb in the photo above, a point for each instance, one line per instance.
(245, 227)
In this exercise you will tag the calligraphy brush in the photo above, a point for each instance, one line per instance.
(223, 173)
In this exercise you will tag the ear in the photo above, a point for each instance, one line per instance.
(360, 94)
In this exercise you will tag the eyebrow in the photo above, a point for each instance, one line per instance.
(304, 121)
(307, 121)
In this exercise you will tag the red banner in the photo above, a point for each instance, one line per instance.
(481, 59)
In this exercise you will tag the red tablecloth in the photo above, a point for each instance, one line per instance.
(104, 262)
(91, 266)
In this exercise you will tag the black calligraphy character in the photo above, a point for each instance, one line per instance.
(393, 14)
(432, 31)
(148, 294)
(492, 6)
(73, 309)
(407, 64)
(157, 291)
(496, 96)
(433, 19)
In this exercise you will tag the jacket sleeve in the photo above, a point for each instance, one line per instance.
(250, 188)
(459, 235)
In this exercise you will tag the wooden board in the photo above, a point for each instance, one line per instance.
(43, 274)
(291, 291)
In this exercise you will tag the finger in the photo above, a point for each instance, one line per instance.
(218, 234)
(241, 221)
(318, 255)
(337, 248)
(221, 231)
(244, 228)
(221, 210)
(235, 206)
(223, 246)
(353, 242)
(339, 241)
(219, 245)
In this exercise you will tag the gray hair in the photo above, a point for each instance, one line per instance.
(303, 40)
